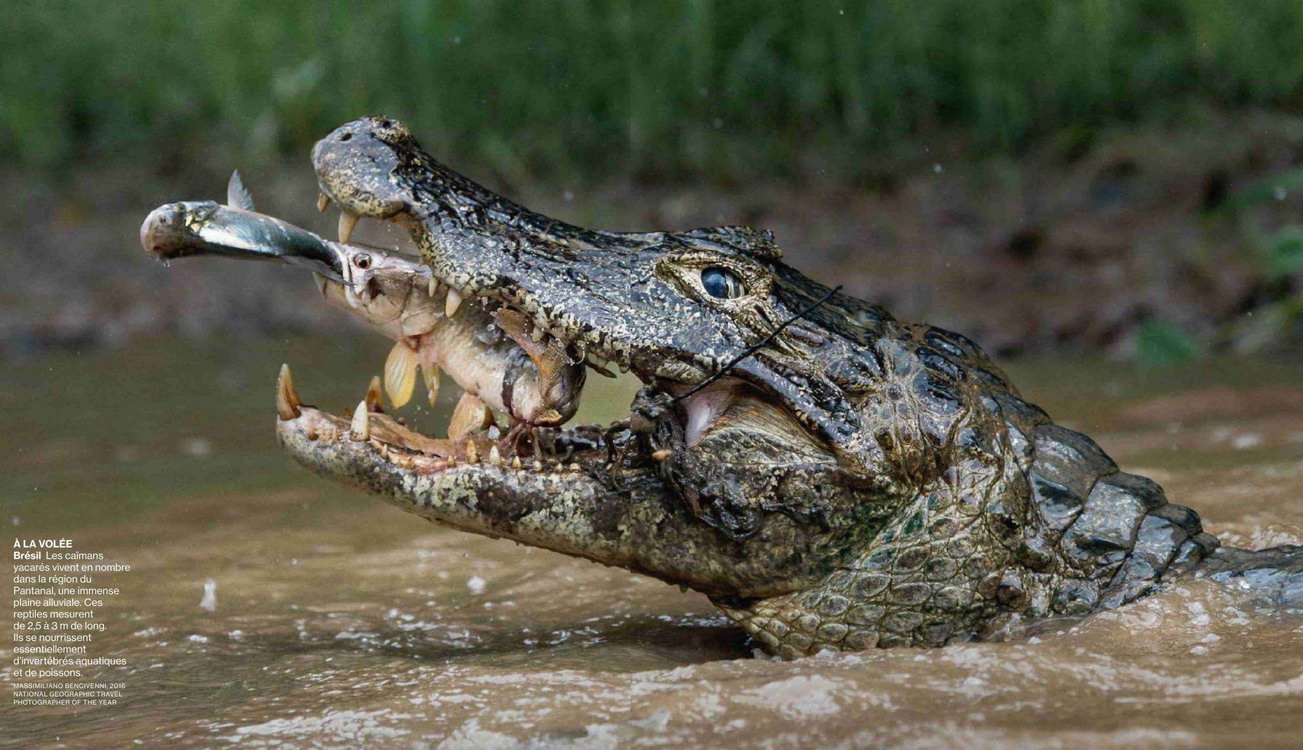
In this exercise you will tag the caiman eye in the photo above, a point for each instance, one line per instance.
(721, 283)
(362, 261)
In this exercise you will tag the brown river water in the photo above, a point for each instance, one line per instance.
(338, 621)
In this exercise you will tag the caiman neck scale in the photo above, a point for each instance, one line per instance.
(855, 481)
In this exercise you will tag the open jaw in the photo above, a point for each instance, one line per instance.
(516, 308)
(521, 383)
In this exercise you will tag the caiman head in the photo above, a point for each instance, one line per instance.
(830, 477)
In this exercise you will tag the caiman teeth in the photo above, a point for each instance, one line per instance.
(452, 303)
(400, 374)
(495, 456)
(469, 415)
(599, 366)
(323, 201)
(287, 400)
(433, 288)
(373, 403)
(360, 428)
(431, 373)
(347, 222)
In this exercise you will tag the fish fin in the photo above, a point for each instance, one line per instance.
(315, 266)
(237, 195)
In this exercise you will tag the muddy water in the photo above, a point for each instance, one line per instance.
(340, 621)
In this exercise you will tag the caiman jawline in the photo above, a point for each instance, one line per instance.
(406, 448)
(476, 439)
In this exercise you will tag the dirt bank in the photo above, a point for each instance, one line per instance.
(1073, 246)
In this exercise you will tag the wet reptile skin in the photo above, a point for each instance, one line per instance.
(876, 483)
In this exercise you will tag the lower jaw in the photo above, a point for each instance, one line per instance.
(390, 439)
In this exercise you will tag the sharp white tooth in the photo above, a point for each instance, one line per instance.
(400, 374)
(322, 202)
(452, 303)
(472, 453)
(287, 401)
(469, 415)
(495, 456)
(538, 465)
(433, 286)
(373, 395)
(430, 371)
(515, 463)
(599, 366)
(361, 425)
(347, 222)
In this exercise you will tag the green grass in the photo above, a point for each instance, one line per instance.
(655, 87)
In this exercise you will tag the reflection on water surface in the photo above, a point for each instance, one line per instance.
(339, 620)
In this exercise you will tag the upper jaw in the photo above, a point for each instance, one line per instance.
(474, 242)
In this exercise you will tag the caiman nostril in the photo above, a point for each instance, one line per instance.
(345, 136)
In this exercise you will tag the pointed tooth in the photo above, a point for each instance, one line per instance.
(430, 372)
(287, 400)
(472, 453)
(538, 465)
(347, 222)
(432, 287)
(323, 202)
(495, 456)
(373, 402)
(515, 463)
(599, 366)
(361, 425)
(400, 374)
(452, 303)
(469, 415)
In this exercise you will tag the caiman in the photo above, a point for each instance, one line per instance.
(830, 477)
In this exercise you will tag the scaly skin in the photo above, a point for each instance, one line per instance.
(855, 482)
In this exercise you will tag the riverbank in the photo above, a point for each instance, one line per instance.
(1143, 242)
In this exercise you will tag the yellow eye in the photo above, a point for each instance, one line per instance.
(721, 283)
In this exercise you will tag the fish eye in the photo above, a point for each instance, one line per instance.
(362, 261)
(721, 283)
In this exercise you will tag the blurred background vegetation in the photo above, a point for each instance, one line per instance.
(861, 99)
(699, 85)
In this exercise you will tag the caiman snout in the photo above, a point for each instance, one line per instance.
(355, 164)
